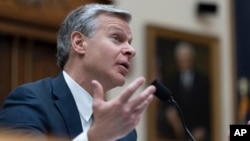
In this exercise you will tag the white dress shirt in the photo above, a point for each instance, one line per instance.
(84, 103)
(187, 79)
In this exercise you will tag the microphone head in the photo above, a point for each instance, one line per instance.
(162, 92)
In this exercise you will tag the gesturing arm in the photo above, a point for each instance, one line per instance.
(116, 118)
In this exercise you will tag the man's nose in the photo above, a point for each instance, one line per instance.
(129, 51)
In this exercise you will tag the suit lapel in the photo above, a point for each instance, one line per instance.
(67, 106)
(68, 109)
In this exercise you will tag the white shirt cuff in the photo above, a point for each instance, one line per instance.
(81, 137)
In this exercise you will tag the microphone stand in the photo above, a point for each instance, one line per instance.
(165, 95)
(172, 101)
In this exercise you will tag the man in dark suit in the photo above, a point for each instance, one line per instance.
(190, 89)
(94, 51)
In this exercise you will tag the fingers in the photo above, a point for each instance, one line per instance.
(248, 123)
(98, 94)
(140, 108)
(121, 114)
(139, 103)
(131, 88)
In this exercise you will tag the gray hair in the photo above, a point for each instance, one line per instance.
(83, 19)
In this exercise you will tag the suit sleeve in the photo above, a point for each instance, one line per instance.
(23, 113)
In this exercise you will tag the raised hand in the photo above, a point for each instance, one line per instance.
(116, 118)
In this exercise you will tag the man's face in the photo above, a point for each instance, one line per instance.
(109, 52)
(185, 59)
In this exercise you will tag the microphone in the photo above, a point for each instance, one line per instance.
(165, 95)
(162, 92)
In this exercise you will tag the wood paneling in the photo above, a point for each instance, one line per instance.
(5, 66)
(43, 60)
(28, 30)
(49, 13)
(25, 60)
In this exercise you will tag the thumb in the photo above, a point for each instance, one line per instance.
(98, 94)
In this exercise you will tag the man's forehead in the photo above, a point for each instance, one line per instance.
(114, 23)
(120, 29)
(108, 19)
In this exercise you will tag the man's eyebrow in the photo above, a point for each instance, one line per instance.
(116, 28)
(122, 31)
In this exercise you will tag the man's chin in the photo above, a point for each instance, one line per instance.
(118, 80)
(117, 83)
(121, 81)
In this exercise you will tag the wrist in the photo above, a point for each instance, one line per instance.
(94, 135)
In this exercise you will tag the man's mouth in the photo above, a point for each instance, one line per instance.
(125, 65)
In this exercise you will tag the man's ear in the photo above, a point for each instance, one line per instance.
(78, 42)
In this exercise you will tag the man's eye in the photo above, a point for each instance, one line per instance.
(116, 37)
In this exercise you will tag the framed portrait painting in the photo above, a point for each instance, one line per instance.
(187, 64)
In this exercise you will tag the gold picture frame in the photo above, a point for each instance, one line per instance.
(207, 50)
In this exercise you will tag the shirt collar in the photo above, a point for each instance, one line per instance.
(82, 98)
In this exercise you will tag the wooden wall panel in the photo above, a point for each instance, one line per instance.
(24, 60)
(44, 62)
(48, 13)
(5, 66)
(28, 30)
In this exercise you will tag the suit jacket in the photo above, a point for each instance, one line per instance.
(194, 100)
(45, 107)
